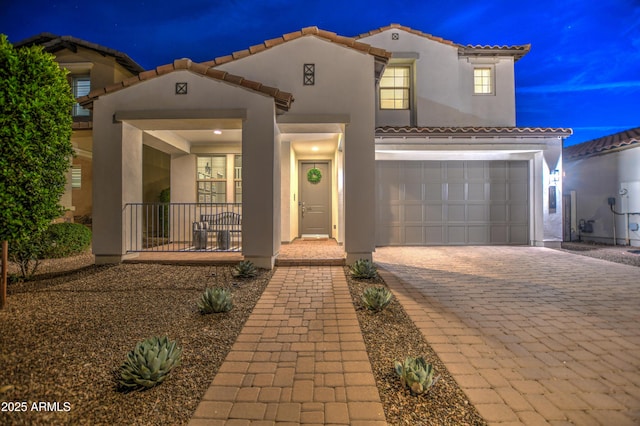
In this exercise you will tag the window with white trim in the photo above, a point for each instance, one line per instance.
(76, 177)
(395, 87)
(482, 81)
(212, 179)
(81, 85)
(237, 178)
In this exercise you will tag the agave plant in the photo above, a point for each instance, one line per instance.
(363, 268)
(376, 298)
(245, 269)
(215, 300)
(149, 363)
(416, 374)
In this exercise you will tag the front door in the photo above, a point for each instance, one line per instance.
(314, 206)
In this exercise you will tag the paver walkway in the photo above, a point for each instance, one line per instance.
(532, 335)
(300, 359)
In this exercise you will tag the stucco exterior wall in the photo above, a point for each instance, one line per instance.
(82, 197)
(344, 79)
(594, 180)
(443, 91)
(156, 173)
(103, 71)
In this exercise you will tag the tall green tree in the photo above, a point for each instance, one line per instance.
(35, 142)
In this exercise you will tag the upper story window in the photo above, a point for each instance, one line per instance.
(482, 81)
(395, 85)
(81, 85)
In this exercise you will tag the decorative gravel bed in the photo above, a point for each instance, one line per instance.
(64, 335)
(619, 254)
(390, 335)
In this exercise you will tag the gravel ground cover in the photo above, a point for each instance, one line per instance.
(390, 335)
(625, 255)
(65, 334)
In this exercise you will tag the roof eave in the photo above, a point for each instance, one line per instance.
(518, 52)
(421, 132)
(53, 43)
(381, 56)
(282, 100)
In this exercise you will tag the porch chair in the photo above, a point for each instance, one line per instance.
(227, 226)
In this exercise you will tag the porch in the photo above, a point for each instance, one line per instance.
(182, 227)
(300, 252)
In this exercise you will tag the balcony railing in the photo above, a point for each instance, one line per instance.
(183, 227)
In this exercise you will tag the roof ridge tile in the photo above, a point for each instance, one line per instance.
(379, 53)
(282, 99)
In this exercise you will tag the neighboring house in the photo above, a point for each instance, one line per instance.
(414, 138)
(90, 65)
(602, 189)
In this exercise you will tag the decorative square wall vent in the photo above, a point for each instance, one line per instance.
(309, 74)
(395, 36)
(181, 88)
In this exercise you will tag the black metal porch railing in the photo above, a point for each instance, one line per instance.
(183, 227)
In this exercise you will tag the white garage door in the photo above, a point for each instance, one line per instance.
(452, 202)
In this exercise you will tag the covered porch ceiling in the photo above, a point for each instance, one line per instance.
(180, 132)
(176, 132)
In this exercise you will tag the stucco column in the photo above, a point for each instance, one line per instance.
(537, 202)
(552, 219)
(285, 196)
(117, 169)
(261, 190)
(359, 192)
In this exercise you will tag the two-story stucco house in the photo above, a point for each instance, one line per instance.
(90, 65)
(394, 137)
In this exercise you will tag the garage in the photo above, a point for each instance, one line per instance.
(452, 202)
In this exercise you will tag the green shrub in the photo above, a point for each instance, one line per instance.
(416, 374)
(26, 253)
(59, 240)
(363, 268)
(149, 363)
(66, 239)
(376, 298)
(215, 300)
(245, 269)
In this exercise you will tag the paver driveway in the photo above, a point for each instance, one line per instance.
(532, 335)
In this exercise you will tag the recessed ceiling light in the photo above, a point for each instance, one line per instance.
(217, 132)
(315, 148)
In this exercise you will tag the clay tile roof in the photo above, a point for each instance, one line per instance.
(409, 30)
(53, 43)
(471, 131)
(282, 99)
(516, 51)
(614, 142)
(381, 55)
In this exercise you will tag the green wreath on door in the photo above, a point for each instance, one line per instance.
(314, 175)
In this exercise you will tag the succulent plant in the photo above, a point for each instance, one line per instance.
(376, 298)
(149, 363)
(363, 268)
(416, 374)
(245, 269)
(215, 300)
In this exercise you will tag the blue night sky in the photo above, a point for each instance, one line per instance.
(583, 70)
